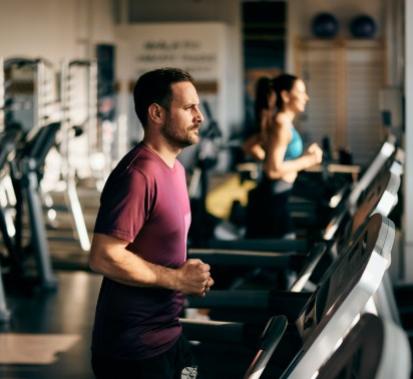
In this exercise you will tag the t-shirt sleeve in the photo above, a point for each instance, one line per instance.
(125, 205)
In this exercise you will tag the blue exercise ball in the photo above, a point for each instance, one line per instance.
(325, 25)
(363, 26)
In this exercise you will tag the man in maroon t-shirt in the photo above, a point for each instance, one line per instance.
(140, 239)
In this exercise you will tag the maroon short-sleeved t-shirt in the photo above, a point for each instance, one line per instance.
(144, 202)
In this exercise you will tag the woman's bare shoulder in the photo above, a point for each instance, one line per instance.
(282, 120)
(281, 124)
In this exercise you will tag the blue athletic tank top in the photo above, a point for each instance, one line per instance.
(295, 147)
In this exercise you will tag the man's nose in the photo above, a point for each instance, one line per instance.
(199, 116)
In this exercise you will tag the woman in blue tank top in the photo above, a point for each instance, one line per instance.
(284, 158)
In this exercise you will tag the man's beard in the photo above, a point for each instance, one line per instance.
(180, 140)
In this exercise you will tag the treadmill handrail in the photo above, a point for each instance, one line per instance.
(212, 330)
(271, 337)
(244, 257)
(314, 257)
(297, 245)
(387, 149)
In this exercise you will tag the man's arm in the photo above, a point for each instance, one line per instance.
(109, 256)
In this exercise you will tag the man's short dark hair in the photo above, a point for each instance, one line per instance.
(155, 87)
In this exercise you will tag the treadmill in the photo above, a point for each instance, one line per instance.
(320, 319)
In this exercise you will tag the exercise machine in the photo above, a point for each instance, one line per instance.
(324, 317)
(28, 164)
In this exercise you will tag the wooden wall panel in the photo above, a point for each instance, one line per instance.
(343, 78)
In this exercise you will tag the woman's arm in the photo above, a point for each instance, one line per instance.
(253, 146)
(275, 167)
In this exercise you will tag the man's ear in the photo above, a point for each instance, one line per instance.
(156, 113)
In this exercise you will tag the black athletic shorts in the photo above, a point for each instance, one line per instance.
(176, 363)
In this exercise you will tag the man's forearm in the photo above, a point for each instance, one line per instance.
(128, 268)
(110, 257)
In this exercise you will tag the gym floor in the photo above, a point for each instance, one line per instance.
(49, 335)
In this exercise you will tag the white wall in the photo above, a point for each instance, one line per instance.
(54, 29)
(227, 12)
(198, 47)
